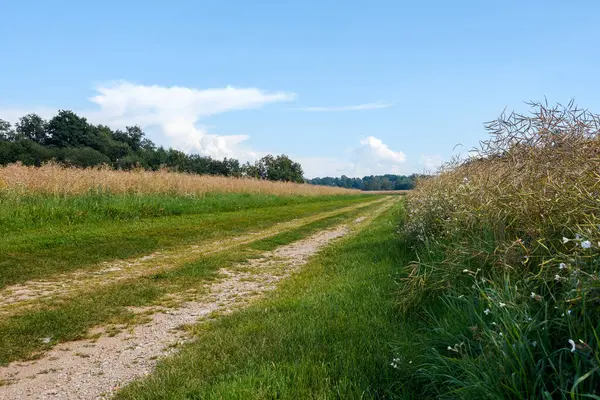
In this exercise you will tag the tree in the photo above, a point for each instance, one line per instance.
(6, 131)
(32, 127)
(68, 129)
(280, 168)
(134, 137)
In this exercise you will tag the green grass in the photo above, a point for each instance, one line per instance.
(325, 333)
(27, 212)
(54, 244)
(21, 335)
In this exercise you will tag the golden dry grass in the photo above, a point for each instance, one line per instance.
(58, 180)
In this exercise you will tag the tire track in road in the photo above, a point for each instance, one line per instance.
(94, 369)
(28, 295)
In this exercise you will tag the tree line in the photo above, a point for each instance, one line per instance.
(71, 140)
(372, 182)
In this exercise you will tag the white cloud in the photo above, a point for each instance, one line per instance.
(431, 162)
(371, 157)
(176, 111)
(373, 149)
(366, 106)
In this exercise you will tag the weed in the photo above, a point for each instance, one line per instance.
(504, 299)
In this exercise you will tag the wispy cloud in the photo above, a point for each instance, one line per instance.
(358, 107)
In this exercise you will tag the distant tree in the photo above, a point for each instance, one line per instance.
(68, 129)
(280, 168)
(32, 127)
(69, 138)
(134, 137)
(6, 131)
(372, 182)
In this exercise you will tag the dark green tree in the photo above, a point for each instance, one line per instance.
(32, 127)
(6, 131)
(68, 129)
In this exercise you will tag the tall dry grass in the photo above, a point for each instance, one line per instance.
(508, 275)
(59, 180)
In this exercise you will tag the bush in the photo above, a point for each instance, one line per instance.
(82, 157)
(506, 292)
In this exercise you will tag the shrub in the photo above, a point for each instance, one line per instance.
(507, 284)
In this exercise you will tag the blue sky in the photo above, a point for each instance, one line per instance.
(346, 87)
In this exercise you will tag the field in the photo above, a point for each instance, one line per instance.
(112, 268)
(482, 282)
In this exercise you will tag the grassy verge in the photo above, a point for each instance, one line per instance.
(41, 252)
(325, 333)
(503, 299)
(21, 336)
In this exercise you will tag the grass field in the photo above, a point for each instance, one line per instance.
(80, 264)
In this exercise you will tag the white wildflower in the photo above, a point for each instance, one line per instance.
(566, 240)
(572, 343)
(486, 311)
(557, 278)
(586, 244)
(466, 271)
(569, 312)
(532, 295)
(501, 304)
(562, 266)
(534, 343)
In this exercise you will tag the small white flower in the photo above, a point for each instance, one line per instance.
(566, 240)
(532, 295)
(465, 271)
(534, 343)
(586, 244)
(465, 180)
(501, 334)
(569, 312)
(493, 323)
(501, 304)
(557, 278)
(486, 311)
(572, 343)
(562, 266)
